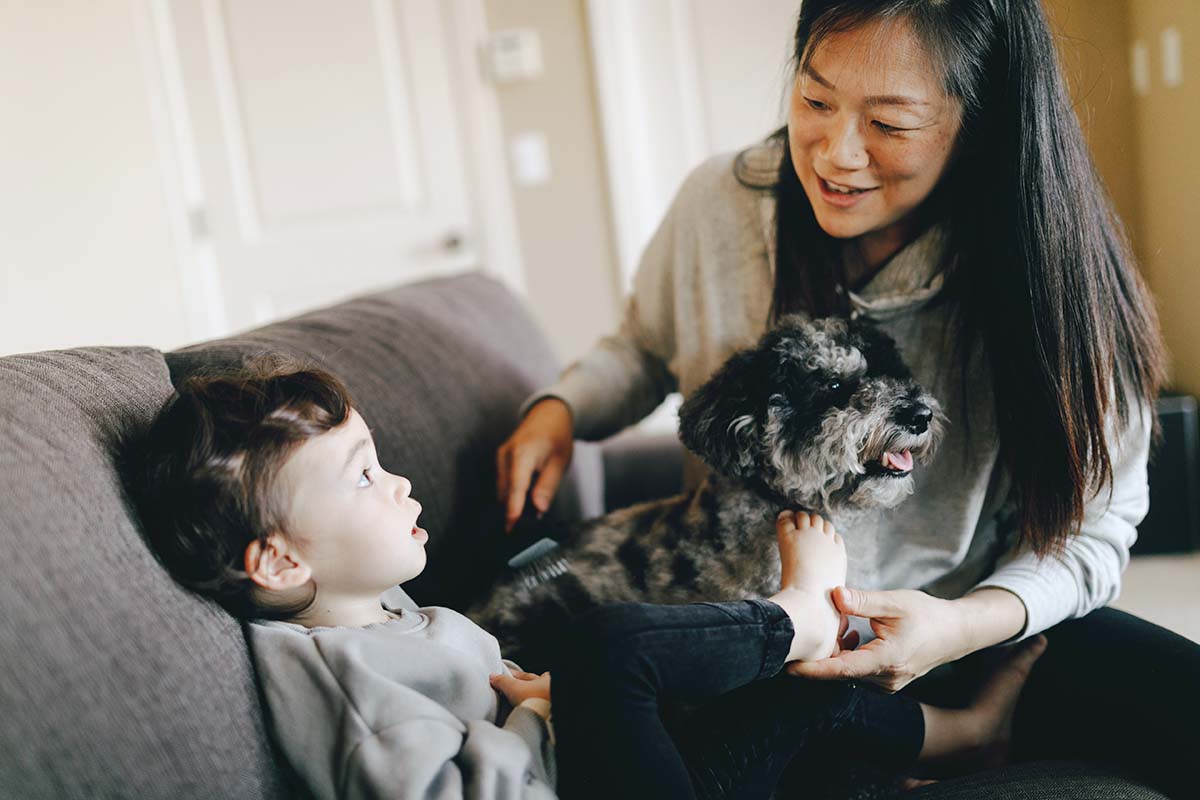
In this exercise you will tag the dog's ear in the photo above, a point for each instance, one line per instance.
(720, 421)
(883, 358)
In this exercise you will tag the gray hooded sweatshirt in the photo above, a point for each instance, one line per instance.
(401, 709)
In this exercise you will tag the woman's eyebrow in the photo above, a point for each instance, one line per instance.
(359, 445)
(878, 100)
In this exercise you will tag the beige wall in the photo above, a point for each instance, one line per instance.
(86, 255)
(1092, 37)
(565, 226)
(1141, 147)
(1169, 182)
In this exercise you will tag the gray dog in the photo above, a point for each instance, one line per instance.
(820, 415)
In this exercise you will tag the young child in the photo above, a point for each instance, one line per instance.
(263, 491)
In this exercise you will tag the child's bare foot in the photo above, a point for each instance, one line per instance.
(813, 558)
(977, 737)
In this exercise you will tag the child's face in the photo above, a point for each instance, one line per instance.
(352, 522)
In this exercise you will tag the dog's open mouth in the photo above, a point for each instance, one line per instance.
(892, 465)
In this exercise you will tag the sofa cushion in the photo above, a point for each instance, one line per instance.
(1042, 780)
(115, 682)
(438, 369)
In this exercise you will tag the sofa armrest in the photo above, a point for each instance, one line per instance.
(640, 467)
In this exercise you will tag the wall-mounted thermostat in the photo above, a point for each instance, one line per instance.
(513, 55)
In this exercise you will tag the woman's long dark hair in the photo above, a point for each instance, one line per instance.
(1037, 261)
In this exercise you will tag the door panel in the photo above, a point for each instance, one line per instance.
(329, 144)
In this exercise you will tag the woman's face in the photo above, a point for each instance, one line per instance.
(869, 114)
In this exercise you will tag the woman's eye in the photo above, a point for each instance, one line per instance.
(883, 126)
(364, 479)
(817, 104)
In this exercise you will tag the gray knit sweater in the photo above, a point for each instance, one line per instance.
(703, 290)
(401, 709)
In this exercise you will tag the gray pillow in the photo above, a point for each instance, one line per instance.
(116, 682)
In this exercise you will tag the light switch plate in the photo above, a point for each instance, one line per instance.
(530, 158)
(1172, 57)
(1139, 67)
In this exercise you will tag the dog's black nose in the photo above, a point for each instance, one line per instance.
(916, 418)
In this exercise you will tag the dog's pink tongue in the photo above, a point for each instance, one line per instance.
(898, 461)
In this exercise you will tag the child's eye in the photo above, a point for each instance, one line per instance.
(365, 479)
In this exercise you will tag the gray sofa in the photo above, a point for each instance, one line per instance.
(118, 683)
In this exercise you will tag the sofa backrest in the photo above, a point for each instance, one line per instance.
(115, 681)
(438, 369)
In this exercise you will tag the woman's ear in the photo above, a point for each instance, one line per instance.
(275, 564)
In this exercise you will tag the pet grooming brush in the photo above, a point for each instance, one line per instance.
(540, 561)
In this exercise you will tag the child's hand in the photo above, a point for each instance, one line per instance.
(520, 686)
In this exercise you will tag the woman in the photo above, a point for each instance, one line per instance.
(933, 177)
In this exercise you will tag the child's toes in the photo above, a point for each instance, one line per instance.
(786, 521)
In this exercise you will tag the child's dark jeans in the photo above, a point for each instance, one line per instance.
(624, 665)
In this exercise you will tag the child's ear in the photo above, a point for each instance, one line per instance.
(276, 565)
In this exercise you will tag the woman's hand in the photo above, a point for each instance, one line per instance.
(520, 686)
(542, 443)
(916, 631)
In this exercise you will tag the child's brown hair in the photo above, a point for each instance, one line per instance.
(203, 478)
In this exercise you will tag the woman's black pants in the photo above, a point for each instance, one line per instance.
(1110, 688)
(735, 725)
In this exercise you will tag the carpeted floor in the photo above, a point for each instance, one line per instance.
(1164, 590)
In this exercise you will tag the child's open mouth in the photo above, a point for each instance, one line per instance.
(420, 534)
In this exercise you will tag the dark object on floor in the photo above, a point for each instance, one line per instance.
(1173, 524)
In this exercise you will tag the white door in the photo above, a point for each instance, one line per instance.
(323, 147)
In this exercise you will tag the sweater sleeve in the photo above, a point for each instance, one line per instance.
(430, 758)
(625, 376)
(1087, 574)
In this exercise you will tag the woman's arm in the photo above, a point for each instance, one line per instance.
(626, 375)
(615, 384)
(620, 380)
(990, 616)
(1086, 575)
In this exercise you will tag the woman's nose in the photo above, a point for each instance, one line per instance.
(844, 147)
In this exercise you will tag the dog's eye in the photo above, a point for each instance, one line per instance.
(834, 386)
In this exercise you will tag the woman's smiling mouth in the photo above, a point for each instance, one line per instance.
(840, 195)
